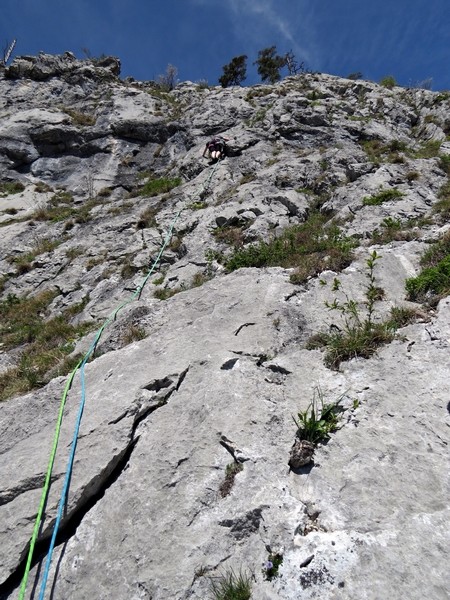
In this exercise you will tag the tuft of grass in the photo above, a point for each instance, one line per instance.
(79, 118)
(60, 207)
(442, 206)
(41, 187)
(231, 471)
(200, 205)
(311, 247)
(231, 586)
(133, 334)
(8, 188)
(200, 278)
(432, 283)
(155, 187)
(43, 344)
(412, 176)
(147, 218)
(159, 280)
(105, 192)
(247, 178)
(128, 270)
(72, 253)
(436, 252)
(428, 150)
(393, 230)
(444, 163)
(377, 151)
(381, 197)
(319, 420)
(119, 209)
(403, 315)
(24, 262)
(230, 235)
(166, 293)
(358, 339)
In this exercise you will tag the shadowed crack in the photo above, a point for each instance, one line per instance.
(156, 393)
(92, 493)
(242, 327)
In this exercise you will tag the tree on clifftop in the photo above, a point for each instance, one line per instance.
(234, 72)
(269, 64)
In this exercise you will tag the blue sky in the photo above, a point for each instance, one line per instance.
(408, 39)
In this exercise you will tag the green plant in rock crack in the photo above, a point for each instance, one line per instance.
(378, 151)
(359, 333)
(319, 419)
(79, 118)
(231, 235)
(147, 218)
(272, 565)
(381, 197)
(428, 150)
(200, 205)
(61, 207)
(201, 277)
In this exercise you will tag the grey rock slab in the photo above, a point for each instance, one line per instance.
(202, 329)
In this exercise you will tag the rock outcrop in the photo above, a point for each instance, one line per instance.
(205, 366)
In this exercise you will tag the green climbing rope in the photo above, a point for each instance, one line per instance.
(67, 388)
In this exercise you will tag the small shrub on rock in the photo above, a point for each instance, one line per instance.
(359, 334)
(388, 82)
(311, 247)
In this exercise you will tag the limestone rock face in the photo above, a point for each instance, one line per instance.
(188, 463)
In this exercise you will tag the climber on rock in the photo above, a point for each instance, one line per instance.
(216, 148)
